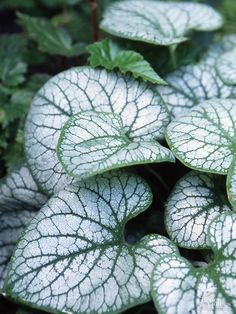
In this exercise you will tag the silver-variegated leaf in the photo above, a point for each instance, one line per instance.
(196, 199)
(77, 90)
(180, 288)
(19, 191)
(73, 257)
(226, 67)
(93, 142)
(156, 22)
(204, 137)
(190, 85)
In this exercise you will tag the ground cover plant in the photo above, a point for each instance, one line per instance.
(118, 153)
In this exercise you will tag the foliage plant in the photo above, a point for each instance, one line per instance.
(118, 143)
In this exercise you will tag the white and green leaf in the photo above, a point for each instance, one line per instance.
(92, 143)
(190, 85)
(110, 56)
(204, 138)
(81, 262)
(178, 287)
(139, 105)
(196, 199)
(226, 67)
(156, 22)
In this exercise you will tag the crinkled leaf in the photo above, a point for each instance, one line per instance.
(204, 138)
(19, 191)
(196, 199)
(93, 142)
(156, 22)
(192, 84)
(226, 67)
(12, 67)
(110, 56)
(178, 287)
(50, 39)
(141, 109)
(73, 257)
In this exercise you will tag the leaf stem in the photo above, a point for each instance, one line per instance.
(94, 13)
(172, 50)
(158, 177)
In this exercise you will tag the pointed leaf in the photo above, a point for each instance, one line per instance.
(19, 191)
(178, 287)
(196, 199)
(110, 56)
(73, 257)
(51, 39)
(91, 143)
(158, 22)
(140, 107)
(231, 183)
(190, 85)
(204, 138)
(226, 67)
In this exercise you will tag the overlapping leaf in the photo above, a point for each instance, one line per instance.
(196, 199)
(81, 262)
(156, 22)
(192, 84)
(226, 67)
(19, 198)
(140, 107)
(110, 56)
(178, 287)
(204, 138)
(93, 142)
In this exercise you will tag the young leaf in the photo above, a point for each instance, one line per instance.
(196, 199)
(226, 67)
(140, 107)
(192, 84)
(158, 22)
(110, 56)
(12, 68)
(73, 256)
(178, 287)
(50, 39)
(19, 191)
(204, 137)
(92, 142)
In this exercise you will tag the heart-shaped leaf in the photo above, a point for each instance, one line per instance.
(178, 287)
(196, 199)
(73, 256)
(156, 22)
(140, 107)
(19, 191)
(110, 56)
(204, 137)
(19, 198)
(190, 85)
(92, 142)
(226, 67)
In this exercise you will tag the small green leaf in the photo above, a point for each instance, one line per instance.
(205, 137)
(178, 287)
(110, 56)
(190, 85)
(156, 22)
(196, 199)
(50, 39)
(139, 105)
(226, 67)
(12, 68)
(93, 142)
(73, 256)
